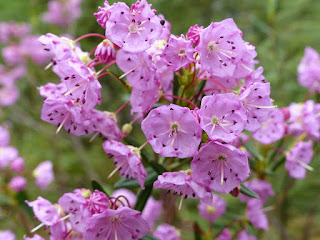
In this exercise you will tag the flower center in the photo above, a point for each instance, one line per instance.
(211, 209)
(182, 53)
(211, 47)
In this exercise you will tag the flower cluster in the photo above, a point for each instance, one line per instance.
(83, 214)
(200, 99)
(62, 12)
(18, 46)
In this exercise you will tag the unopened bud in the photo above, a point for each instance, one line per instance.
(126, 129)
(236, 191)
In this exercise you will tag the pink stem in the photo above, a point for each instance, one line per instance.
(103, 74)
(105, 67)
(180, 98)
(92, 61)
(89, 35)
(121, 108)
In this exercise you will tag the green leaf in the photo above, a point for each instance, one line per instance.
(197, 231)
(143, 198)
(21, 198)
(96, 186)
(127, 183)
(4, 200)
(253, 152)
(149, 237)
(247, 191)
(277, 164)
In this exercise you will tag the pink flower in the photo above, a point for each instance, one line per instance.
(62, 13)
(184, 184)
(152, 211)
(194, 34)
(166, 232)
(7, 155)
(103, 14)
(98, 202)
(105, 52)
(256, 215)
(261, 187)
(213, 211)
(172, 131)
(138, 69)
(4, 137)
(298, 158)
(243, 235)
(224, 235)
(18, 183)
(35, 237)
(121, 224)
(221, 48)
(53, 91)
(255, 76)
(127, 159)
(17, 165)
(222, 116)
(222, 167)
(257, 103)
(106, 123)
(7, 235)
(142, 101)
(127, 197)
(43, 174)
(45, 211)
(135, 29)
(309, 70)
(178, 52)
(272, 129)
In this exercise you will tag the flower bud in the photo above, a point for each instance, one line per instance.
(105, 51)
(17, 165)
(18, 183)
(126, 129)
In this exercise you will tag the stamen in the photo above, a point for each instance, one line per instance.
(116, 169)
(125, 74)
(37, 228)
(222, 172)
(264, 107)
(75, 88)
(65, 217)
(246, 67)
(306, 166)
(63, 122)
(182, 197)
(94, 137)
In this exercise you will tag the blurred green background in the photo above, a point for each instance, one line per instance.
(280, 30)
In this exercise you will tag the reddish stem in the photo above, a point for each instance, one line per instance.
(91, 62)
(103, 74)
(122, 107)
(211, 89)
(97, 63)
(105, 67)
(93, 50)
(180, 98)
(89, 35)
(213, 80)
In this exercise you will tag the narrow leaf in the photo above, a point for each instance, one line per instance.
(143, 198)
(149, 237)
(96, 186)
(247, 191)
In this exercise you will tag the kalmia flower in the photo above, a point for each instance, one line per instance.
(43, 174)
(7, 235)
(121, 224)
(214, 210)
(222, 116)
(256, 215)
(4, 137)
(35, 237)
(127, 197)
(7, 155)
(243, 235)
(309, 70)
(142, 101)
(172, 131)
(257, 103)
(138, 69)
(184, 184)
(103, 14)
(127, 159)
(105, 52)
(272, 129)
(224, 235)
(18, 183)
(194, 34)
(221, 48)
(45, 211)
(298, 158)
(17, 165)
(178, 52)
(53, 91)
(166, 232)
(135, 29)
(152, 211)
(221, 167)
